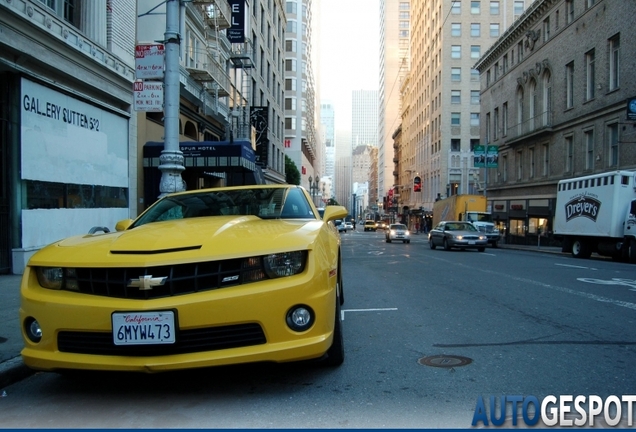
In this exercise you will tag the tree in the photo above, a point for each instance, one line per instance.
(292, 176)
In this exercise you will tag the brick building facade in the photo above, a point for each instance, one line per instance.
(554, 92)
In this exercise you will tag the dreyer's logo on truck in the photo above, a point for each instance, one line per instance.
(582, 206)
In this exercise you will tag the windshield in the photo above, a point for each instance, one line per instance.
(479, 217)
(266, 203)
(459, 226)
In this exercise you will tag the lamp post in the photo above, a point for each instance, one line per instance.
(314, 188)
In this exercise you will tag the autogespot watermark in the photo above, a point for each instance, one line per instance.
(560, 411)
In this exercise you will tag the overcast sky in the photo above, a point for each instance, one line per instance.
(349, 40)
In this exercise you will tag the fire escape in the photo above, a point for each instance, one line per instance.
(225, 69)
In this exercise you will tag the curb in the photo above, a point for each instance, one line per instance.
(12, 371)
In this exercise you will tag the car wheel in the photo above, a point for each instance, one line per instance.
(580, 249)
(431, 244)
(408, 241)
(335, 353)
(494, 244)
(481, 249)
(446, 245)
(631, 255)
(388, 240)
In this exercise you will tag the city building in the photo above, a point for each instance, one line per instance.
(554, 92)
(327, 121)
(395, 17)
(364, 128)
(68, 131)
(231, 94)
(303, 144)
(440, 110)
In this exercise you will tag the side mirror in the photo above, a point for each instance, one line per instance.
(123, 225)
(334, 212)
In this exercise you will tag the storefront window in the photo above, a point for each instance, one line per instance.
(536, 224)
(517, 227)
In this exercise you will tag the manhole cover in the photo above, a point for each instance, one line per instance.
(444, 361)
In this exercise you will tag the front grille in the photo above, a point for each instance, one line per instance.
(180, 279)
(188, 341)
(471, 237)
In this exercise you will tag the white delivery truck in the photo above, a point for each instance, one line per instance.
(597, 213)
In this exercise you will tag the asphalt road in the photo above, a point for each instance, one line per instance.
(524, 323)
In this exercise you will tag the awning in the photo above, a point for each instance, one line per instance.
(210, 156)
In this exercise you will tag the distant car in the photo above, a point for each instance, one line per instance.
(381, 225)
(340, 225)
(398, 232)
(457, 234)
(369, 225)
(349, 226)
(202, 278)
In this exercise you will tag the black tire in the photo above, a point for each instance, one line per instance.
(431, 244)
(631, 254)
(446, 245)
(494, 244)
(481, 249)
(335, 353)
(388, 240)
(581, 249)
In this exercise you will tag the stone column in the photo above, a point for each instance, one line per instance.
(94, 20)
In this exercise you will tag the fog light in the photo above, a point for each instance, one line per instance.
(300, 318)
(33, 330)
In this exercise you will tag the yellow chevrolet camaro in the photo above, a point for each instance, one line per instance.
(201, 278)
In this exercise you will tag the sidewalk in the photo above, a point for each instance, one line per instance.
(11, 367)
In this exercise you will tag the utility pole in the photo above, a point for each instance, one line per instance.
(171, 159)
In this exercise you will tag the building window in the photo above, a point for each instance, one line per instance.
(589, 3)
(496, 68)
(475, 51)
(456, 74)
(474, 119)
(531, 156)
(546, 160)
(474, 97)
(519, 165)
(473, 142)
(456, 29)
(546, 29)
(487, 128)
(569, 154)
(67, 9)
(569, 11)
(614, 62)
(456, 8)
(505, 63)
(495, 133)
(291, 45)
(475, 29)
(456, 51)
(494, 8)
(455, 119)
(455, 144)
(589, 149)
(290, 65)
(290, 84)
(475, 7)
(456, 96)
(612, 138)
(504, 119)
(487, 77)
(292, 26)
(518, 7)
(474, 75)
(590, 75)
(494, 30)
(290, 103)
(519, 52)
(290, 123)
(569, 85)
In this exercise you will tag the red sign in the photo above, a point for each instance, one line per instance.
(288, 143)
(417, 184)
(149, 59)
(303, 170)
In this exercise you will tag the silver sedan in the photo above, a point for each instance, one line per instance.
(457, 234)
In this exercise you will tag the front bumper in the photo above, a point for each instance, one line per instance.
(261, 307)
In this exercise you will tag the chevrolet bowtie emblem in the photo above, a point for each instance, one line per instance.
(145, 283)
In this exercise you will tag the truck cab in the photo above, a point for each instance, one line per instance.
(484, 223)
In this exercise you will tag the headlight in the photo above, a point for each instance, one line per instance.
(459, 237)
(392, 232)
(482, 237)
(284, 264)
(57, 278)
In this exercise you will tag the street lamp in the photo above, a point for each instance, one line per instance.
(314, 187)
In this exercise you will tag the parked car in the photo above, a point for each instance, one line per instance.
(340, 225)
(201, 278)
(349, 226)
(398, 232)
(369, 225)
(457, 234)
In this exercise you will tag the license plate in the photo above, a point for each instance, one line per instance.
(143, 328)
(471, 241)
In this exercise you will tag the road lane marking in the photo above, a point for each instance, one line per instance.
(342, 313)
(575, 266)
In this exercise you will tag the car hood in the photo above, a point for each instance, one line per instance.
(196, 239)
